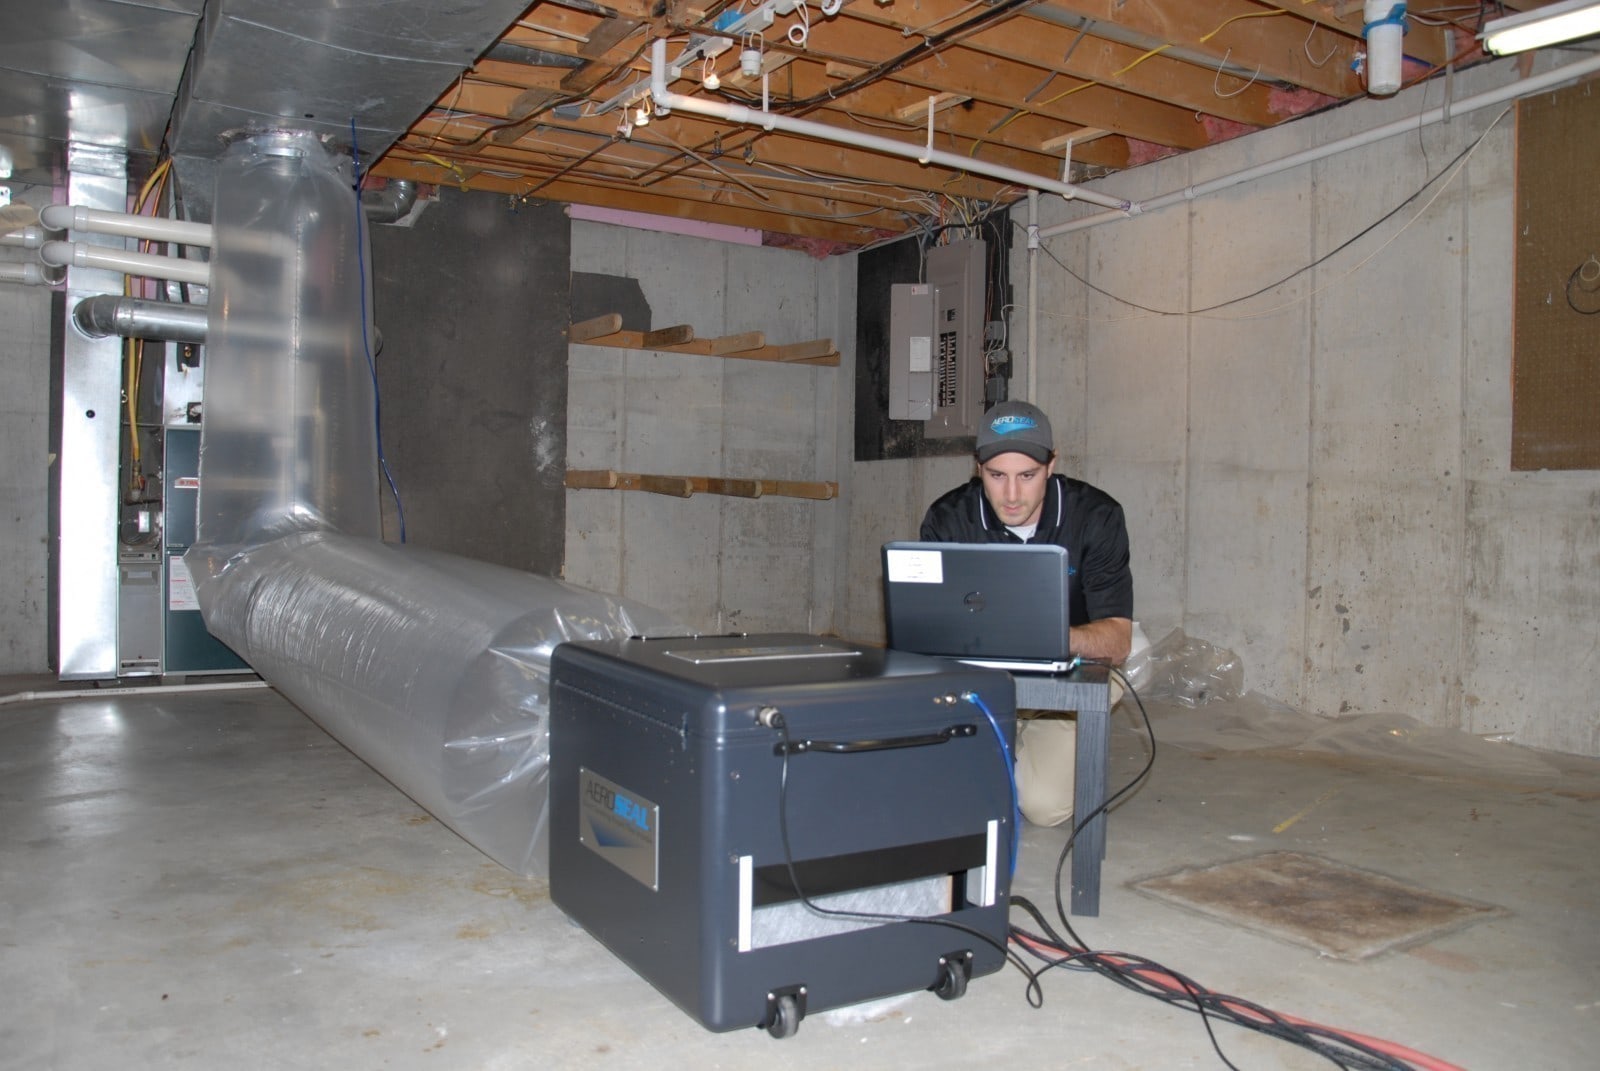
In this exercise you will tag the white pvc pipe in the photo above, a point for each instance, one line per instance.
(83, 255)
(79, 218)
(667, 101)
(1033, 295)
(135, 692)
(1522, 88)
(30, 273)
(27, 237)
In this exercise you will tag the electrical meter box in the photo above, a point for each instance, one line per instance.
(936, 343)
(911, 351)
(763, 826)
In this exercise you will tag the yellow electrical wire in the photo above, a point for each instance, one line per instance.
(133, 359)
(973, 152)
(1246, 15)
(454, 169)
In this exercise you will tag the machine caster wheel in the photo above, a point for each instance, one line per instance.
(785, 1018)
(954, 971)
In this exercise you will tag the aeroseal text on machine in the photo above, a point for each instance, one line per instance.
(748, 821)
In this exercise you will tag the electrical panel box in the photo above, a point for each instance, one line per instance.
(936, 339)
(956, 273)
(911, 351)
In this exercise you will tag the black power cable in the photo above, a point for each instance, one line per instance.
(1152, 979)
(775, 720)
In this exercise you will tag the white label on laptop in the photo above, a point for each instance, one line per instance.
(915, 566)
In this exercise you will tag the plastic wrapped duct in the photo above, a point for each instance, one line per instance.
(430, 667)
(288, 439)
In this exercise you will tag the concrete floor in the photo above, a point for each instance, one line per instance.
(208, 881)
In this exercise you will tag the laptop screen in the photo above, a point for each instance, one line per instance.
(1000, 602)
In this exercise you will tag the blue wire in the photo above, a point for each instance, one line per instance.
(366, 344)
(1011, 775)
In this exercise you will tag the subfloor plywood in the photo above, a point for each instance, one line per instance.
(1339, 910)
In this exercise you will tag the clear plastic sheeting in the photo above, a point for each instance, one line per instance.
(1194, 693)
(288, 439)
(1182, 670)
(430, 667)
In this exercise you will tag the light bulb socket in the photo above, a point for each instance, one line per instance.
(750, 62)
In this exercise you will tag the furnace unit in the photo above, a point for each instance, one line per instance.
(763, 826)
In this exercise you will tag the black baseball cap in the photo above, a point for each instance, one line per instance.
(1018, 427)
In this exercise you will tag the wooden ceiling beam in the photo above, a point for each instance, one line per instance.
(1240, 32)
(1056, 49)
(974, 121)
(625, 160)
(1091, 105)
(633, 9)
(829, 161)
(677, 207)
(1008, 83)
(1432, 45)
(981, 122)
(826, 157)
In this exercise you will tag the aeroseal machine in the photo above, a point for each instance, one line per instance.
(753, 822)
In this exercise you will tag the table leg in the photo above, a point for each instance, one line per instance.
(1089, 792)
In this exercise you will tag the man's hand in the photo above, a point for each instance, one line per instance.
(1108, 640)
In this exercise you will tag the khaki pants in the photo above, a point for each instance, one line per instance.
(1047, 756)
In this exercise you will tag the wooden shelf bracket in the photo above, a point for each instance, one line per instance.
(684, 486)
(749, 346)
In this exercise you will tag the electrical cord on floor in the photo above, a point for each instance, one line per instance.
(1344, 1049)
(366, 343)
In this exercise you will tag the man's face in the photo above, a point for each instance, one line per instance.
(1015, 485)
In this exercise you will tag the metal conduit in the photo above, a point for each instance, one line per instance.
(391, 203)
(108, 314)
(666, 101)
(1513, 91)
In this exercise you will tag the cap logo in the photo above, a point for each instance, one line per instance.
(1010, 425)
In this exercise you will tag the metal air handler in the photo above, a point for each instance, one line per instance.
(694, 779)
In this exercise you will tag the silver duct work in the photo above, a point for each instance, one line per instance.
(170, 321)
(108, 314)
(391, 203)
(357, 74)
(430, 667)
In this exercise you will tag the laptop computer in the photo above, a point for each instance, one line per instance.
(1002, 605)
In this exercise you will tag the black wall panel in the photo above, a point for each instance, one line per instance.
(473, 302)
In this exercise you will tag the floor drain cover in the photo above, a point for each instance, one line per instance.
(1336, 909)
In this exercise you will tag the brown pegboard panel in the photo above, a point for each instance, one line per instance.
(1555, 383)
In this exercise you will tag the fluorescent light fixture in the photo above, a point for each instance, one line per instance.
(1548, 25)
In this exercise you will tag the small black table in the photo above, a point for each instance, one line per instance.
(1086, 690)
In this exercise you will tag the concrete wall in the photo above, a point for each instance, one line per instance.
(25, 476)
(717, 563)
(1318, 477)
(472, 298)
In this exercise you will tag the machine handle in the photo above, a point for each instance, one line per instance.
(850, 747)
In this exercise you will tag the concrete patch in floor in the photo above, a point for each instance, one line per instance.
(1341, 911)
